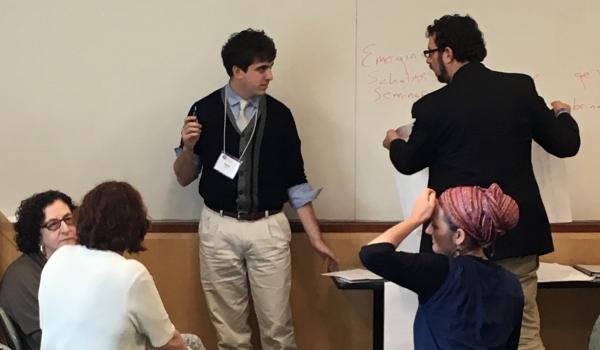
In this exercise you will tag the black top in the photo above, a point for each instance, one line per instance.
(19, 297)
(280, 164)
(406, 269)
(464, 303)
(478, 130)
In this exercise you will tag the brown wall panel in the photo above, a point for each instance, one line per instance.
(330, 319)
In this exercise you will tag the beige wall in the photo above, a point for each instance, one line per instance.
(331, 319)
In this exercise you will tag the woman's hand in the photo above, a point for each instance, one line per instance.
(422, 211)
(423, 207)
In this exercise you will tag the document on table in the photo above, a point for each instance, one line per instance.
(354, 275)
(553, 272)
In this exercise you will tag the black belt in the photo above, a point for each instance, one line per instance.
(257, 215)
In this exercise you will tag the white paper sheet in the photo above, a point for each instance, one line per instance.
(354, 275)
(551, 175)
(400, 304)
(553, 272)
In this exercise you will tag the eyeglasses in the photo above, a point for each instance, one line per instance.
(427, 53)
(54, 224)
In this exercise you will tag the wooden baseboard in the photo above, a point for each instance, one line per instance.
(359, 226)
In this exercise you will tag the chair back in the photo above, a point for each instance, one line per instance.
(595, 336)
(10, 332)
(8, 246)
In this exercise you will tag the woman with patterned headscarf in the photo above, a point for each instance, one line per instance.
(465, 301)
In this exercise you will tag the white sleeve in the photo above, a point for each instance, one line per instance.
(147, 311)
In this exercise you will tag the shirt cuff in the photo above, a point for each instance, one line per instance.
(178, 151)
(302, 194)
(560, 111)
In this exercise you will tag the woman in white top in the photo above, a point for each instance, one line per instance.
(90, 296)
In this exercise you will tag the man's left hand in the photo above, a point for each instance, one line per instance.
(560, 107)
(323, 250)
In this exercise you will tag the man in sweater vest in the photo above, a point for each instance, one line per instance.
(245, 147)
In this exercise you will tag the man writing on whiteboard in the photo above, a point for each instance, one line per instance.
(477, 130)
(245, 145)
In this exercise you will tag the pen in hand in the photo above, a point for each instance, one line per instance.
(191, 130)
(194, 111)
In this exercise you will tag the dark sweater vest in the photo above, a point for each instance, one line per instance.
(275, 165)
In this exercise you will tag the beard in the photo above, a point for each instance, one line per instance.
(442, 76)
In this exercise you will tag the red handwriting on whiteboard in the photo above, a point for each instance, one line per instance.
(579, 106)
(583, 76)
(370, 58)
(394, 76)
(586, 76)
(383, 94)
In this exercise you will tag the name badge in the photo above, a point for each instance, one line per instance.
(227, 165)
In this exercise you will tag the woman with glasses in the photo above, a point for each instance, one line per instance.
(44, 223)
(465, 301)
(91, 296)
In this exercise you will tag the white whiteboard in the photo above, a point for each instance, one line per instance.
(97, 90)
(546, 39)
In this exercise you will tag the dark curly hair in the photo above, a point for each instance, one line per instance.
(112, 216)
(30, 217)
(246, 47)
(461, 34)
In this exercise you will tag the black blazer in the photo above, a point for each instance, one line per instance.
(478, 130)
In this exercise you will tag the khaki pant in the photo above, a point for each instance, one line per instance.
(240, 256)
(526, 270)
(594, 343)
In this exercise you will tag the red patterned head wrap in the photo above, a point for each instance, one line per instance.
(484, 214)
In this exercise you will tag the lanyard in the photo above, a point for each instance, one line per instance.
(225, 127)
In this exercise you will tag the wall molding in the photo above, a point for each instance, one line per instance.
(356, 226)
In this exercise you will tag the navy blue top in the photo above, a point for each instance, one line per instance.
(464, 303)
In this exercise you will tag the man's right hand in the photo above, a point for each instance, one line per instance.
(390, 135)
(190, 133)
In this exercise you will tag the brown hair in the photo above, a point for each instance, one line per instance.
(112, 216)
